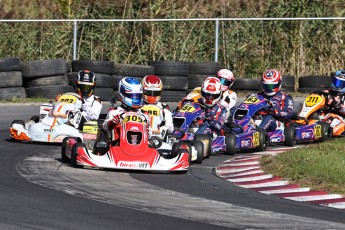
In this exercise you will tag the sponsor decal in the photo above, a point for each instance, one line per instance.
(187, 108)
(47, 130)
(312, 100)
(256, 138)
(245, 143)
(252, 100)
(70, 99)
(137, 165)
(277, 139)
(306, 135)
(151, 110)
(317, 131)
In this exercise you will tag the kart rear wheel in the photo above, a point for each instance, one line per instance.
(21, 122)
(263, 140)
(177, 147)
(290, 136)
(74, 154)
(326, 132)
(207, 142)
(35, 118)
(230, 144)
(199, 147)
(64, 158)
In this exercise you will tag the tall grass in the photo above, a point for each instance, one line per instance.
(247, 47)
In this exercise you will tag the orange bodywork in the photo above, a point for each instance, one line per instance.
(21, 137)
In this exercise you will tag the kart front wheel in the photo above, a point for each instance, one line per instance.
(74, 154)
(230, 144)
(263, 140)
(326, 132)
(64, 158)
(207, 142)
(290, 136)
(199, 147)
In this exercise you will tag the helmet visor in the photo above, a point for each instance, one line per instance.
(209, 96)
(225, 82)
(85, 89)
(338, 83)
(270, 86)
(152, 93)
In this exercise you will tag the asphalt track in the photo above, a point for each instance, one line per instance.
(39, 192)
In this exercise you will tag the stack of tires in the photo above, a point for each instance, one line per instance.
(174, 77)
(288, 83)
(308, 84)
(129, 70)
(45, 78)
(103, 71)
(246, 85)
(11, 80)
(199, 71)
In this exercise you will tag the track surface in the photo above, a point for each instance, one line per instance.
(39, 192)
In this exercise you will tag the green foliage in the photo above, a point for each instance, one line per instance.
(312, 166)
(313, 47)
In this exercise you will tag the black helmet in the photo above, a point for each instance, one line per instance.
(86, 83)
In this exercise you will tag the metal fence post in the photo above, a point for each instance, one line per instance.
(216, 41)
(75, 40)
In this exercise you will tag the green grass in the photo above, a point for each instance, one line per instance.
(25, 100)
(319, 166)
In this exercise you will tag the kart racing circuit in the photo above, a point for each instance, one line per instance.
(39, 191)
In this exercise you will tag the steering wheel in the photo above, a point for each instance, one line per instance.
(155, 142)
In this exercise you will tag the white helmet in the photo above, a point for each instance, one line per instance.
(226, 78)
(211, 91)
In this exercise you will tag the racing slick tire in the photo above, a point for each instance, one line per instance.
(263, 140)
(74, 154)
(35, 118)
(230, 143)
(64, 158)
(207, 141)
(326, 132)
(290, 136)
(176, 149)
(199, 147)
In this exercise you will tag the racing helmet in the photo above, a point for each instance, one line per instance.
(226, 78)
(211, 91)
(130, 92)
(152, 89)
(86, 83)
(271, 82)
(338, 81)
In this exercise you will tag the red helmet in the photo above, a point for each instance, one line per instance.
(152, 89)
(211, 91)
(271, 82)
(226, 78)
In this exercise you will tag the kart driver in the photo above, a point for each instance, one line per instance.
(130, 94)
(281, 104)
(91, 104)
(214, 112)
(152, 90)
(229, 97)
(335, 102)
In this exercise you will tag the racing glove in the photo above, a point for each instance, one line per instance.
(113, 122)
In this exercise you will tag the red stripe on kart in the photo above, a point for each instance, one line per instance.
(259, 181)
(288, 186)
(296, 194)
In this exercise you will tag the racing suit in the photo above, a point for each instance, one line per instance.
(214, 118)
(91, 108)
(167, 123)
(335, 103)
(282, 107)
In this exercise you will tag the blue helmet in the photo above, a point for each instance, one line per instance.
(130, 92)
(338, 81)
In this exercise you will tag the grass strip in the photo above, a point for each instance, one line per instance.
(318, 166)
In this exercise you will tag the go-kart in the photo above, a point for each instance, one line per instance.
(315, 109)
(133, 151)
(246, 134)
(55, 122)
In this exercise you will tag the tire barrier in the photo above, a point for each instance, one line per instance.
(178, 77)
(308, 84)
(174, 77)
(11, 80)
